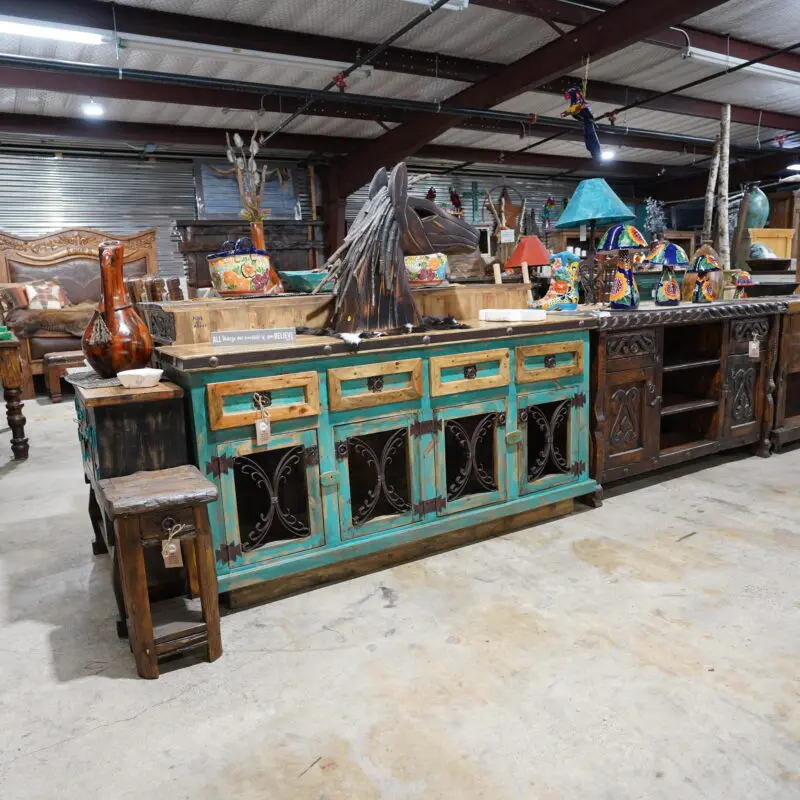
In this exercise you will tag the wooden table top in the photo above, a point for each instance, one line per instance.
(12, 342)
(207, 356)
(119, 395)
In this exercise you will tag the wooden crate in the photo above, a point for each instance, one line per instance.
(192, 321)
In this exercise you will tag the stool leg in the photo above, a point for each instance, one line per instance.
(54, 384)
(137, 602)
(96, 516)
(190, 565)
(207, 578)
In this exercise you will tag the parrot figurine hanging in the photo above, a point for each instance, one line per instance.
(581, 110)
(455, 200)
(547, 213)
(431, 194)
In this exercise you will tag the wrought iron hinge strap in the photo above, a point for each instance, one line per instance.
(418, 428)
(434, 504)
(311, 456)
(226, 553)
(577, 468)
(578, 400)
(219, 465)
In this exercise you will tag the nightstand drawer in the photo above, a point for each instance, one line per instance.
(548, 362)
(469, 372)
(234, 404)
(370, 385)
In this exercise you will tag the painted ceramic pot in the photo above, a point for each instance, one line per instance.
(703, 291)
(668, 291)
(242, 269)
(624, 295)
(116, 339)
(563, 292)
(428, 270)
(705, 259)
(743, 280)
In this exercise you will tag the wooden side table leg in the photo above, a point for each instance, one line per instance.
(19, 444)
(137, 602)
(54, 384)
(99, 547)
(207, 578)
(189, 551)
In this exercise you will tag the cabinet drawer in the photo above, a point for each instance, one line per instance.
(469, 372)
(548, 362)
(744, 331)
(374, 384)
(232, 404)
(631, 349)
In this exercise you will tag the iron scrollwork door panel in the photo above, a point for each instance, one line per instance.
(550, 453)
(632, 416)
(743, 396)
(379, 482)
(471, 462)
(271, 497)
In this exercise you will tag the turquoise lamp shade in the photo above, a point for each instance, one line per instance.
(565, 256)
(667, 254)
(594, 201)
(622, 237)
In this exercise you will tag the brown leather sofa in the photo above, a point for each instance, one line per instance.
(70, 258)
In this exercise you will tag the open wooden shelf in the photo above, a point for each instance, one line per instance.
(679, 404)
(703, 362)
(671, 449)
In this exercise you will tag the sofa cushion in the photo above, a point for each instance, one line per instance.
(45, 295)
(40, 345)
(11, 297)
(79, 277)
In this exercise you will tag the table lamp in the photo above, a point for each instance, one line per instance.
(593, 203)
(624, 294)
(705, 268)
(668, 256)
(529, 252)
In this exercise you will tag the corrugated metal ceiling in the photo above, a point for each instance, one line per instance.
(770, 22)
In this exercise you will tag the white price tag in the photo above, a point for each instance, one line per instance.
(263, 429)
(583, 233)
(172, 554)
(507, 236)
(754, 349)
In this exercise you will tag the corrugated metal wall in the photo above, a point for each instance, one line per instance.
(40, 194)
(536, 191)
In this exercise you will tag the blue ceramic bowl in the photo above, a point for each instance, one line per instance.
(301, 280)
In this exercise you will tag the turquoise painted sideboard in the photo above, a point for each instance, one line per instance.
(409, 437)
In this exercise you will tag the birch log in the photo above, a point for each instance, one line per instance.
(723, 240)
(708, 211)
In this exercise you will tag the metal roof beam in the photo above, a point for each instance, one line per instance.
(625, 24)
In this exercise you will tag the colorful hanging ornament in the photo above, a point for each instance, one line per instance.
(547, 213)
(624, 295)
(579, 109)
(456, 202)
(431, 194)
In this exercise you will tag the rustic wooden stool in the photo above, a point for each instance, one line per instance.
(159, 508)
(55, 368)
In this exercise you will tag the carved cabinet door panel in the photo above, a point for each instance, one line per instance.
(632, 408)
(744, 397)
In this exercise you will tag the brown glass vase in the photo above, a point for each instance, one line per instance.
(116, 339)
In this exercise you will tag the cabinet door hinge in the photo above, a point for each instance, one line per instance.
(578, 400)
(427, 506)
(219, 465)
(577, 468)
(418, 428)
(226, 553)
(311, 456)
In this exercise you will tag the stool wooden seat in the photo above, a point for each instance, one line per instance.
(145, 508)
(55, 368)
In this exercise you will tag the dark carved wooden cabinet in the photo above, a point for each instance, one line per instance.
(787, 399)
(670, 385)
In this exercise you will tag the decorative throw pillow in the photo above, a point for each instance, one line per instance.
(45, 295)
(12, 297)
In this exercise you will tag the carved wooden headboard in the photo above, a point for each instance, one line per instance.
(77, 245)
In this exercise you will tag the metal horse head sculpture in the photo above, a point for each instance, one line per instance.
(372, 290)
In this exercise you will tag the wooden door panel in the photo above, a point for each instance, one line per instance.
(631, 426)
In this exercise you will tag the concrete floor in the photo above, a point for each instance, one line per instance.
(648, 649)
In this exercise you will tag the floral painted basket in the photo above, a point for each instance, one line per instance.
(240, 269)
(427, 270)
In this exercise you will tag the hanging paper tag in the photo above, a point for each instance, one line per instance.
(172, 555)
(583, 233)
(753, 349)
(263, 429)
(507, 236)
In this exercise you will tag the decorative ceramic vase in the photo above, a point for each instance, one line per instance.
(243, 269)
(429, 270)
(668, 291)
(116, 338)
(624, 295)
(703, 291)
(707, 260)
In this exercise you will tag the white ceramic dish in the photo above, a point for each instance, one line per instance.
(140, 378)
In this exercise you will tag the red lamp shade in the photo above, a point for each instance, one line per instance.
(530, 250)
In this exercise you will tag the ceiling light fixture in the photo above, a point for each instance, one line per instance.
(65, 34)
(763, 69)
(607, 155)
(92, 109)
(453, 5)
(210, 51)
(794, 167)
